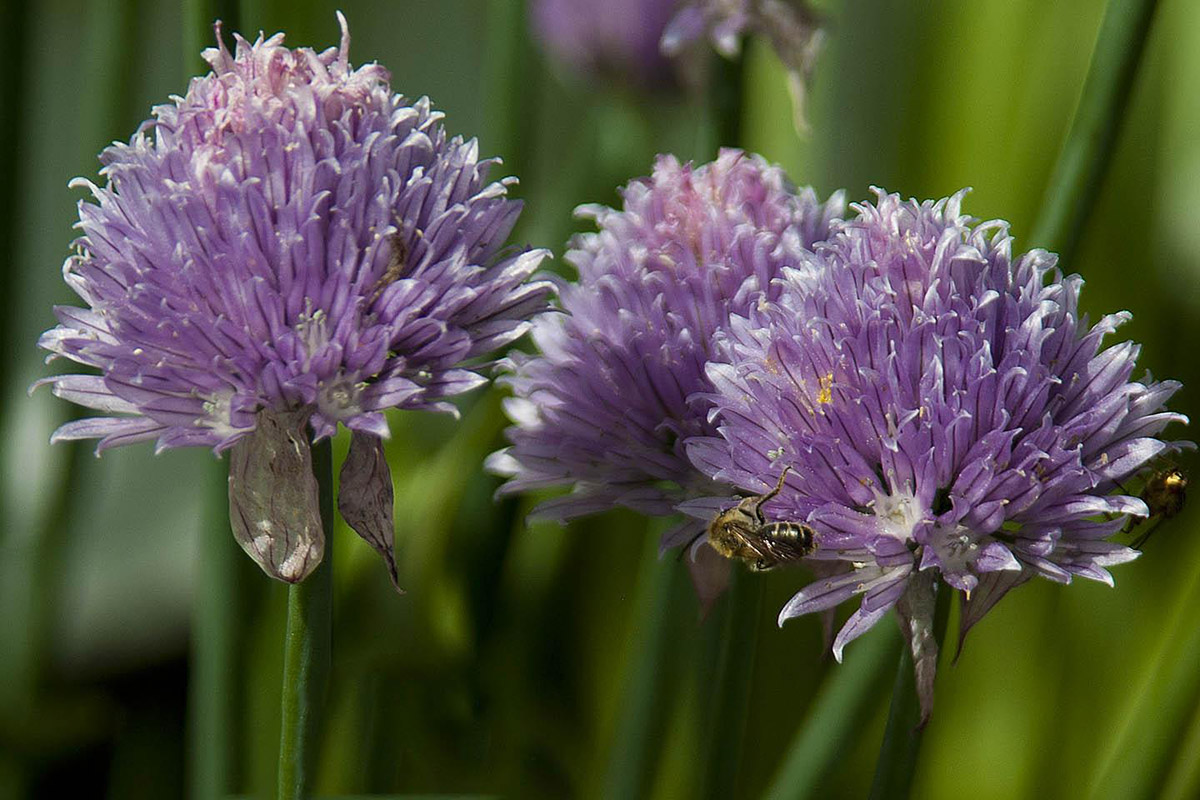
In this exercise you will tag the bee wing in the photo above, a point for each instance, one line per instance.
(784, 545)
(784, 552)
(754, 543)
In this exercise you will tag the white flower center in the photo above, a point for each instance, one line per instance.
(954, 546)
(312, 330)
(339, 398)
(218, 411)
(901, 513)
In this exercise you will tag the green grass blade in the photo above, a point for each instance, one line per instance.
(847, 699)
(1085, 156)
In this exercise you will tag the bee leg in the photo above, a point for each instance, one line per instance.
(764, 498)
(1137, 543)
(762, 565)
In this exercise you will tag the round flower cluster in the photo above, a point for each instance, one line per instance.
(290, 245)
(941, 411)
(931, 410)
(610, 401)
(288, 234)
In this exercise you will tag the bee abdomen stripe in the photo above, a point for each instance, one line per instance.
(788, 531)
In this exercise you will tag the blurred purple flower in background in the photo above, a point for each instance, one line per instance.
(290, 242)
(607, 405)
(791, 26)
(618, 38)
(945, 414)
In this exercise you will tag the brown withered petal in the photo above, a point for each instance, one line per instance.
(273, 505)
(365, 498)
(916, 608)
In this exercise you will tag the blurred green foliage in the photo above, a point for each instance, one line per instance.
(511, 664)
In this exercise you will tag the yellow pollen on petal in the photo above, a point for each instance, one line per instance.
(825, 390)
(912, 241)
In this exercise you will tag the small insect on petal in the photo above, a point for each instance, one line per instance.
(273, 505)
(365, 498)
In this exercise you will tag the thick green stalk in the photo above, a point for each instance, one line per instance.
(902, 737)
(306, 652)
(214, 646)
(1081, 166)
(507, 77)
(846, 700)
(725, 101)
(198, 19)
(1071, 193)
(1183, 777)
(14, 90)
(737, 618)
(637, 737)
(1153, 707)
(730, 686)
(215, 607)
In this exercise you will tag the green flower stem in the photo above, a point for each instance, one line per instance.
(1183, 778)
(725, 101)
(1071, 193)
(198, 19)
(637, 737)
(508, 76)
(730, 686)
(1081, 166)
(902, 737)
(215, 607)
(739, 610)
(306, 652)
(1154, 708)
(214, 646)
(845, 702)
(14, 94)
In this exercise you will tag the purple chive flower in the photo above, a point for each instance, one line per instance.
(791, 26)
(291, 242)
(608, 404)
(947, 415)
(618, 38)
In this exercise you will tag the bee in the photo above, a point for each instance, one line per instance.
(1164, 494)
(743, 533)
(397, 264)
